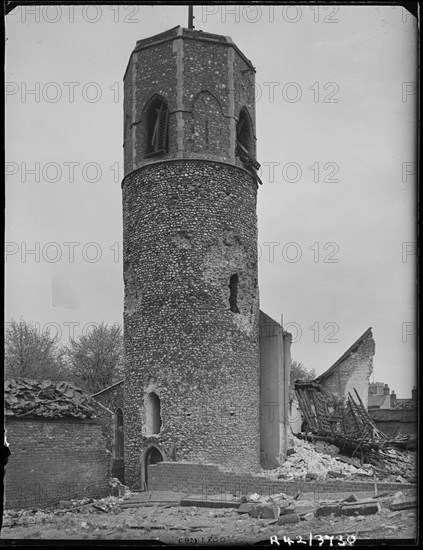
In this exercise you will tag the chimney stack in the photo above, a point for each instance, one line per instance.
(386, 390)
(393, 399)
(414, 393)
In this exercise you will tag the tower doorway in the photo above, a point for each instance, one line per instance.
(152, 455)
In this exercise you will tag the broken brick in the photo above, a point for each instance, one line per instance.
(290, 518)
(328, 509)
(245, 508)
(403, 505)
(265, 512)
(351, 498)
(363, 509)
(332, 473)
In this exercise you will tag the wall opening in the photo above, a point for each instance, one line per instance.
(119, 438)
(244, 132)
(233, 293)
(153, 417)
(157, 122)
(153, 455)
(118, 464)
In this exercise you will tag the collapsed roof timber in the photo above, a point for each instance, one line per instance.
(346, 424)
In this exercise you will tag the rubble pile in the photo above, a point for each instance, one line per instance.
(46, 398)
(393, 463)
(284, 510)
(84, 506)
(349, 426)
(117, 488)
(307, 463)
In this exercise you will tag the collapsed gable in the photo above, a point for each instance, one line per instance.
(352, 370)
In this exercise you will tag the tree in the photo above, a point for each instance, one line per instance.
(300, 372)
(96, 359)
(31, 353)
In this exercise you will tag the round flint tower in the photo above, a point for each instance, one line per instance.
(190, 254)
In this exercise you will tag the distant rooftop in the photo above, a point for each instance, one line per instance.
(393, 415)
(378, 400)
(405, 404)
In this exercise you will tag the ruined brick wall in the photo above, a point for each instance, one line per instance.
(209, 479)
(54, 460)
(353, 372)
(189, 226)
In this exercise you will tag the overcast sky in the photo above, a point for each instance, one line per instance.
(336, 120)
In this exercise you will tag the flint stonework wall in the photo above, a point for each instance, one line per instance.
(188, 227)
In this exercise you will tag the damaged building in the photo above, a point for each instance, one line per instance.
(334, 407)
(352, 370)
(58, 446)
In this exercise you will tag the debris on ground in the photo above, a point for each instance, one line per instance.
(82, 506)
(345, 514)
(117, 488)
(337, 427)
(309, 464)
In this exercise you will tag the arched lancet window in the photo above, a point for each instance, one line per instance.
(119, 439)
(153, 418)
(157, 121)
(245, 143)
(244, 132)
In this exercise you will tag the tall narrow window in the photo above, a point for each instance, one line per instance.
(244, 133)
(157, 128)
(245, 143)
(153, 418)
(233, 293)
(119, 441)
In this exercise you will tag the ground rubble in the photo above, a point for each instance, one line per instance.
(82, 507)
(250, 518)
(177, 517)
(322, 462)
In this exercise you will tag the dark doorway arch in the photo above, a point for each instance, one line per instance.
(152, 455)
